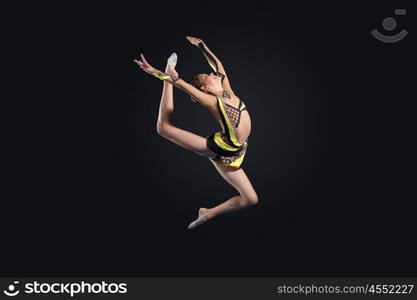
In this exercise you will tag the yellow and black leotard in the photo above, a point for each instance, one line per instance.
(226, 144)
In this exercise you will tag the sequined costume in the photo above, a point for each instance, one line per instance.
(226, 145)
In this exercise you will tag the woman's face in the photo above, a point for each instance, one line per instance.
(211, 81)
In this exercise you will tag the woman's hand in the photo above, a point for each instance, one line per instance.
(172, 71)
(144, 65)
(195, 41)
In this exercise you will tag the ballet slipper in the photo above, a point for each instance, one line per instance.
(172, 60)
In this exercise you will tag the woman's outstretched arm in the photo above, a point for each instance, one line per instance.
(213, 61)
(206, 100)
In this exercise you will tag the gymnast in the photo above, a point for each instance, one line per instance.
(225, 149)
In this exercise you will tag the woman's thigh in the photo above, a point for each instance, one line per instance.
(238, 179)
(188, 140)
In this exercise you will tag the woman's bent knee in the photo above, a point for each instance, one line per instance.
(251, 199)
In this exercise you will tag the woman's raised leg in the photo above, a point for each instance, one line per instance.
(165, 128)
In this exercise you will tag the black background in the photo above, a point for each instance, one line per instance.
(93, 190)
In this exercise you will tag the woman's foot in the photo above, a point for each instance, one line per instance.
(171, 63)
(203, 216)
(172, 60)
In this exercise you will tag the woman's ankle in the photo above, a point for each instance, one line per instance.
(205, 213)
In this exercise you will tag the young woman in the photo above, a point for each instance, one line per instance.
(225, 149)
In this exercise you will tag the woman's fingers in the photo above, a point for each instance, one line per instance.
(144, 65)
(191, 39)
(196, 41)
(144, 60)
(138, 63)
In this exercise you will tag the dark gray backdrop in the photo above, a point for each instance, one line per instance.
(95, 190)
